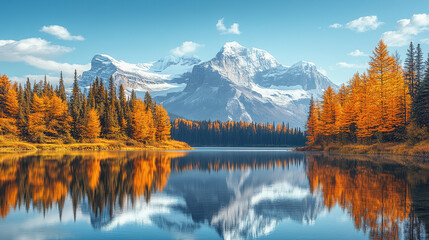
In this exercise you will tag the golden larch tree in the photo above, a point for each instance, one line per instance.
(93, 127)
(162, 123)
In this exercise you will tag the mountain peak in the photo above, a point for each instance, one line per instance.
(303, 63)
(103, 58)
(232, 48)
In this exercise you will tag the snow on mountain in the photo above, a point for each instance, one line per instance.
(248, 84)
(159, 77)
(239, 83)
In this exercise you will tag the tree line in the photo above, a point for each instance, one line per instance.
(42, 113)
(217, 133)
(385, 103)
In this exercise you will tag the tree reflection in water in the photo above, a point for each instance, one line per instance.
(386, 199)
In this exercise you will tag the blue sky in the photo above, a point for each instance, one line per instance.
(44, 37)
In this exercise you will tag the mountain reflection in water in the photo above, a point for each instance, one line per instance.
(239, 194)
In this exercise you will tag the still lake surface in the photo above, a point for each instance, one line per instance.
(212, 193)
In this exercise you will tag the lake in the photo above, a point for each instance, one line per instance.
(212, 193)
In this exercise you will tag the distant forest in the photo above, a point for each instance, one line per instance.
(217, 133)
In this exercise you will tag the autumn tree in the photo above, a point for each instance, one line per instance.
(9, 106)
(329, 113)
(387, 86)
(142, 122)
(162, 123)
(312, 123)
(93, 127)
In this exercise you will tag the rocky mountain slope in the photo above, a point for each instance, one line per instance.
(239, 84)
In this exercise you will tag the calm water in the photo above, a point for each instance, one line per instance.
(212, 193)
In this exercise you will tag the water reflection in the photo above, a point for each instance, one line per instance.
(238, 194)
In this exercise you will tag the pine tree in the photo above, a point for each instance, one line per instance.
(410, 69)
(419, 65)
(75, 107)
(61, 89)
(112, 128)
(148, 101)
(123, 109)
(75, 99)
(420, 105)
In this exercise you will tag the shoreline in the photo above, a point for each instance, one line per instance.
(14, 145)
(401, 148)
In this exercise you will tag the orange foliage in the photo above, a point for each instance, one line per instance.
(376, 101)
(377, 201)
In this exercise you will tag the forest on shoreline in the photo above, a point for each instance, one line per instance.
(43, 114)
(384, 105)
(242, 134)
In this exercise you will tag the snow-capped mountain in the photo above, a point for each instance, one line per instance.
(159, 77)
(248, 84)
(239, 83)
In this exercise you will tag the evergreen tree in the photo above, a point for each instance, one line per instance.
(111, 129)
(61, 89)
(112, 91)
(148, 101)
(420, 104)
(123, 109)
(410, 69)
(75, 107)
(75, 99)
(420, 68)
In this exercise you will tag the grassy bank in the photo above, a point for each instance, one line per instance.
(418, 149)
(13, 144)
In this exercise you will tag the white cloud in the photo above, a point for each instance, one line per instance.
(38, 52)
(186, 48)
(364, 24)
(60, 32)
(406, 29)
(349, 65)
(14, 51)
(357, 53)
(233, 29)
(424, 40)
(66, 68)
(335, 25)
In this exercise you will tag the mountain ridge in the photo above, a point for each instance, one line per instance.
(238, 84)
